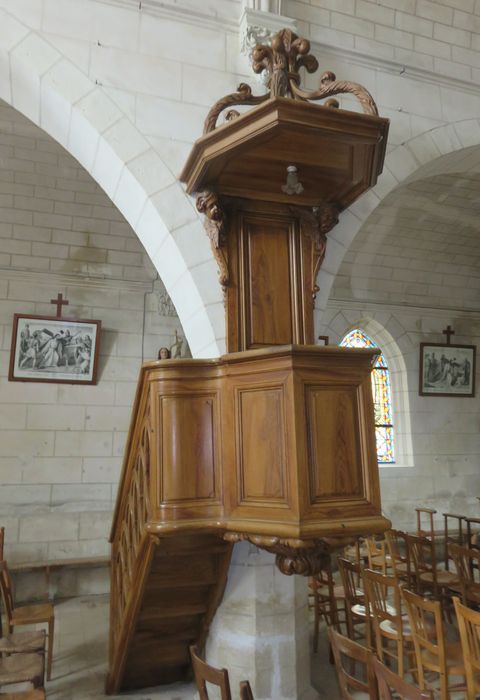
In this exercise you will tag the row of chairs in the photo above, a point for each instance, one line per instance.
(372, 613)
(375, 679)
(432, 654)
(22, 654)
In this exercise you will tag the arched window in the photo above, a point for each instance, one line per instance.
(382, 397)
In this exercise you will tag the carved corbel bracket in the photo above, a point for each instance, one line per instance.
(208, 203)
(315, 224)
(292, 556)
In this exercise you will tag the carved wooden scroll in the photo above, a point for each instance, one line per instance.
(282, 62)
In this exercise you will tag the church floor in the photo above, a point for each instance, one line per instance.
(80, 657)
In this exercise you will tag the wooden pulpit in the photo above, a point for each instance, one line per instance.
(274, 442)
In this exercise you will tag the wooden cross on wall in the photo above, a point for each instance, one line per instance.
(59, 301)
(448, 332)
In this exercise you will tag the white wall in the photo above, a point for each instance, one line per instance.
(61, 446)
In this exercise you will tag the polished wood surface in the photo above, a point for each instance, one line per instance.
(339, 154)
(272, 445)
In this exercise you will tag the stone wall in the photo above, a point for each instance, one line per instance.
(437, 442)
(61, 445)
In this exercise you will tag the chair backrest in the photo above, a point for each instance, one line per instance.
(425, 530)
(387, 681)
(349, 683)
(455, 537)
(467, 565)
(422, 556)
(245, 691)
(426, 622)
(2, 542)
(350, 573)
(383, 595)
(397, 544)
(6, 590)
(473, 526)
(469, 628)
(204, 673)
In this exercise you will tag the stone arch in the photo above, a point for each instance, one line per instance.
(403, 164)
(395, 344)
(45, 86)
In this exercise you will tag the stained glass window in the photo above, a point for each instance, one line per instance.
(382, 398)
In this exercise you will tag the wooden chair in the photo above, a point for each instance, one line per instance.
(448, 537)
(433, 653)
(204, 673)
(22, 668)
(472, 536)
(379, 558)
(328, 602)
(2, 542)
(356, 610)
(428, 530)
(392, 632)
(397, 541)
(466, 562)
(356, 654)
(39, 613)
(387, 681)
(23, 643)
(245, 691)
(469, 628)
(428, 577)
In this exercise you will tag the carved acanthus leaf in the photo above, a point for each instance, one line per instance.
(316, 223)
(292, 556)
(208, 203)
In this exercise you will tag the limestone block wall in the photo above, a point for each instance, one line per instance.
(61, 446)
(437, 439)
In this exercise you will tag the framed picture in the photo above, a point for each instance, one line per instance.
(447, 370)
(50, 349)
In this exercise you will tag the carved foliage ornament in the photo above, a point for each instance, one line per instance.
(208, 203)
(282, 62)
(316, 223)
(303, 557)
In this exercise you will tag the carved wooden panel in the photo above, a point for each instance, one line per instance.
(187, 445)
(269, 267)
(262, 449)
(269, 306)
(334, 452)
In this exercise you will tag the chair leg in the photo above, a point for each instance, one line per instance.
(51, 624)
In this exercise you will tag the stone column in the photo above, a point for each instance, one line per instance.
(260, 632)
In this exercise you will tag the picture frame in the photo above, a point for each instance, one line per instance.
(447, 370)
(53, 349)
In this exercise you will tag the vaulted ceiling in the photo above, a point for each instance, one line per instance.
(421, 246)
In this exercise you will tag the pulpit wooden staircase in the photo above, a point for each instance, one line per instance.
(165, 590)
(238, 448)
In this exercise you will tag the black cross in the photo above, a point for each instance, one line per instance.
(59, 301)
(448, 332)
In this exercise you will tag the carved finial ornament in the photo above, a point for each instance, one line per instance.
(282, 62)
